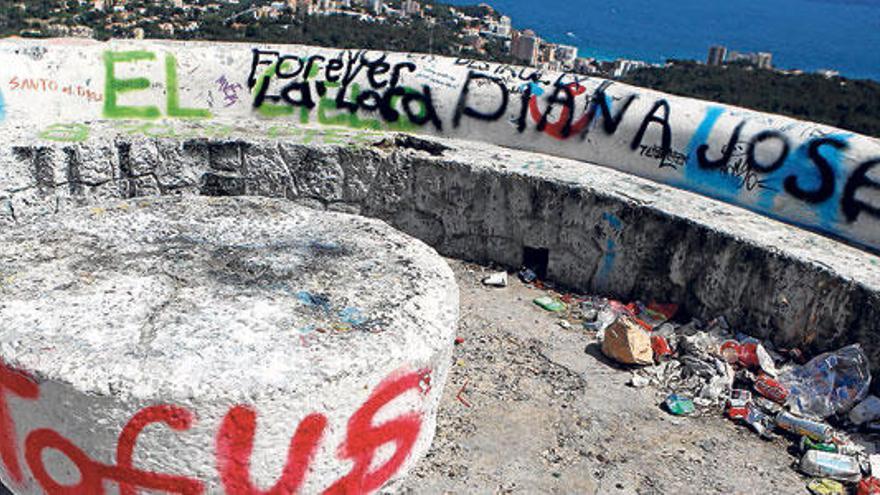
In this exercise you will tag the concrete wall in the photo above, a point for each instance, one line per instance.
(806, 174)
(604, 231)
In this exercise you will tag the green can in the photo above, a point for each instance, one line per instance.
(808, 443)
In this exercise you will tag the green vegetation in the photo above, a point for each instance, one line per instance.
(849, 104)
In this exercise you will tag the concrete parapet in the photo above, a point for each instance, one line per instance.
(810, 175)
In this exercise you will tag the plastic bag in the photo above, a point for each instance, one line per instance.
(830, 383)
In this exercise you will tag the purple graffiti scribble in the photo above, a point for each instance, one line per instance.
(229, 91)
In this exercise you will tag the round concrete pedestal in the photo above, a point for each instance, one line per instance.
(218, 346)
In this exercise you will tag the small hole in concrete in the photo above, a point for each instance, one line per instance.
(536, 259)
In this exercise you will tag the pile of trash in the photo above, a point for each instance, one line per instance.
(708, 368)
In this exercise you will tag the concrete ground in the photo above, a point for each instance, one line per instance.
(542, 411)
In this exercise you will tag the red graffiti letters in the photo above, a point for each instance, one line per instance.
(177, 418)
(21, 385)
(234, 445)
(93, 473)
(236, 441)
(363, 439)
(557, 129)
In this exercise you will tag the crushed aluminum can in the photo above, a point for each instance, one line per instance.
(527, 275)
(830, 465)
(771, 389)
(738, 404)
(759, 422)
(868, 486)
(767, 405)
(803, 426)
(660, 346)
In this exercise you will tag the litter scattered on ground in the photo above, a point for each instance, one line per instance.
(627, 343)
(550, 304)
(498, 279)
(707, 367)
(831, 465)
(825, 486)
(679, 405)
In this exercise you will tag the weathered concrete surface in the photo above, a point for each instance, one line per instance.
(807, 174)
(605, 231)
(279, 345)
(543, 411)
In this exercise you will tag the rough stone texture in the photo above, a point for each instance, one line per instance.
(812, 175)
(606, 231)
(220, 306)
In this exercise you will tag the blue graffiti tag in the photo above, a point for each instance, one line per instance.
(801, 166)
(710, 182)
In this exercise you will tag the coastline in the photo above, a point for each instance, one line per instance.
(808, 35)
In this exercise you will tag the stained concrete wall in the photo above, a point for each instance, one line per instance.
(806, 174)
(605, 231)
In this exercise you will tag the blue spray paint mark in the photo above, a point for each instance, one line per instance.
(714, 183)
(609, 103)
(2, 108)
(536, 89)
(352, 316)
(607, 263)
(610, 250)
(316, 300)
(799, 165)
(613, 221)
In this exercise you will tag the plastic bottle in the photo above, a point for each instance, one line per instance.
(867, 410)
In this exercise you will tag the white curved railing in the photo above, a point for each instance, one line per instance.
(817, 177)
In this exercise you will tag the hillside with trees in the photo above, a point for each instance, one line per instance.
(849, 104)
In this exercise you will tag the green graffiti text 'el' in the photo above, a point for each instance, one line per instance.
(114, 86)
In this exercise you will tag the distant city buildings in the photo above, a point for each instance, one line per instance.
(566, 54)
(478, 32)
(719, 55)
(412, 8)
(524, 46)
(623, 67)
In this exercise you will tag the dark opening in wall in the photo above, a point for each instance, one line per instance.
(212, 184)
(536, 259)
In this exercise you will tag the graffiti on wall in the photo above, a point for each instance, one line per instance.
(814, 177)
(234, 444)
(745, 162)
(114, 87)
(47, 85)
